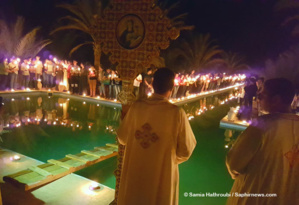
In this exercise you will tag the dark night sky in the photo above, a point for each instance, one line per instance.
(249, 27)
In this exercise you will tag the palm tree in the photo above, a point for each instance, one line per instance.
(233, 62)
(198, 52)
(85, 14)
(14, 43)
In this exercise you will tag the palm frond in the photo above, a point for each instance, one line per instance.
(291, 19)
(79, 46)
(75, 10)
(37, 47)
(15, 43)
(26, 42)
(158, 62)
(75, 22)
(286, 4)
(18, 29)
(6, 37)
(68, 27)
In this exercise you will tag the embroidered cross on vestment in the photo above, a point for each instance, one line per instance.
(293, 155)
(145, 137)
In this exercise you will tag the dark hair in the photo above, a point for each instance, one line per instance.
(0, 101)
(262, 79)
(163, 80)
(280, 87)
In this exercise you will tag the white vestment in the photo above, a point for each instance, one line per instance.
(158, 137)
(266, 155)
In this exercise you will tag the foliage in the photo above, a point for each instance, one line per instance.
(233, 62)
(84, 16)
(14, 43)
(169, 10)
(198, 52)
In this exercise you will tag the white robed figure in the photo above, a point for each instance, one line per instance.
(158, 137)
(265, 158)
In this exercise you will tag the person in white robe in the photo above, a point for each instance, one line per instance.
(265, 157)
(158, 137)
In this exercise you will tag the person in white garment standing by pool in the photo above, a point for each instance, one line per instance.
(265, 158)
(158, 137)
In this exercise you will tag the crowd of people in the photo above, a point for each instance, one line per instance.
(59, 75)
(84, 79)
(189, 83)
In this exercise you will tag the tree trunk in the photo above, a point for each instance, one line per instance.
(97, 55)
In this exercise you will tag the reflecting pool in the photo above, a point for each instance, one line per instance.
(51, 127)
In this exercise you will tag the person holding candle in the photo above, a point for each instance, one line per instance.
(83, 83)
(92, 76)
(4, 73)
(75, 76)
(59, 74)
(148, 79)
(264, 158)
(14, 70)
(117, 82)
(177, 81)
(100, 82)
(112, 85)
(107, 82)
(50, 73)
(31, 73)
(136, 84)
(25, 73)
(38, 70)
(158, 138)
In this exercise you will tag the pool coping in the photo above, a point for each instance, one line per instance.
(110, 103)
(234, 124)
(66, 190)
(113, 103)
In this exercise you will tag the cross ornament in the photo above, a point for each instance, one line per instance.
(145, 137)
(293, 155)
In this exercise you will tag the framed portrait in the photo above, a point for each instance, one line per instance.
(130, 31)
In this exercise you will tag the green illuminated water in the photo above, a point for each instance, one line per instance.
(83, 126)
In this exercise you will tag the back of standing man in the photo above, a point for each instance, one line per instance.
(158, 137)
(265, 158)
